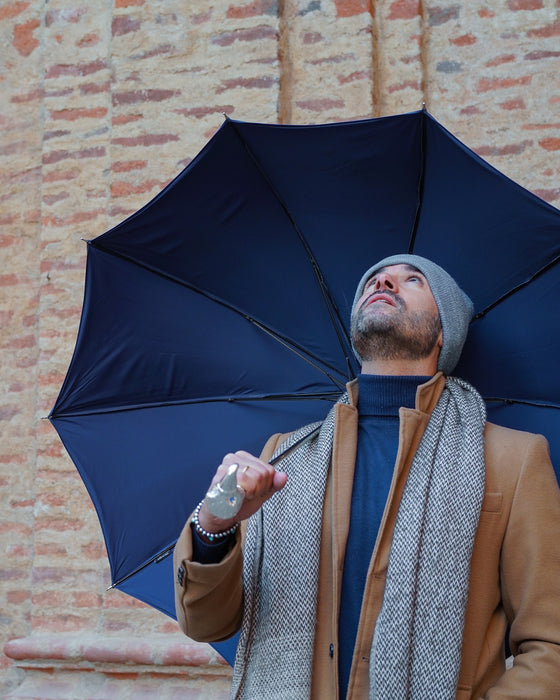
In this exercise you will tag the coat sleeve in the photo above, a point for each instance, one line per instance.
(530, 581)
(209, 597)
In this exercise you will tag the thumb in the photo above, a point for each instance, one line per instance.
(279, 481)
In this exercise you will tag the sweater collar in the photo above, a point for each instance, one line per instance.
(383, 395)
(427, 394)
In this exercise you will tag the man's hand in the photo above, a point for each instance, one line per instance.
(258, 479)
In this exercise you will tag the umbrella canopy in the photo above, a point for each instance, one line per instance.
(218, 314)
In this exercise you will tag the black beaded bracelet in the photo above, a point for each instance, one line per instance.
(212, 536)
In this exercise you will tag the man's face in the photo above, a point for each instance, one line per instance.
(396, 316)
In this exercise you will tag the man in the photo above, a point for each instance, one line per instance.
(389, 555)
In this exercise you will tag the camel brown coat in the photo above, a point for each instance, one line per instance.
(515, 568)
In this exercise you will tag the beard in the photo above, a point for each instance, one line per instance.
(402, 334)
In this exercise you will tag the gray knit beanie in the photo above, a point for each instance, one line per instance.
(455, 308)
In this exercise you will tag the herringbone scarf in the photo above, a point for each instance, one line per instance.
(427, 582)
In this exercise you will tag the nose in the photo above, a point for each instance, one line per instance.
(385, 280)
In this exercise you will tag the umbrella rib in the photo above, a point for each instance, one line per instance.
(517, 288)
(420, 179)
(334, 313)
(319, 396)
(523, 402)
(287, 343)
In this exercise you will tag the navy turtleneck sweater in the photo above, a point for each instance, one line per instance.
(380, 398)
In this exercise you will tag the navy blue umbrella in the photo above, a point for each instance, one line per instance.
(218, 314)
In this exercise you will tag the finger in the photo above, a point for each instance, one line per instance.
(280, 480)
(256, 480)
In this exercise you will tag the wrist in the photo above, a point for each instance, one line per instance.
(209, 528)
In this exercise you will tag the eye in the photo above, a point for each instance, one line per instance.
(414, 278)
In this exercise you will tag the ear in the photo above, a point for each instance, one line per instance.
(440, 339)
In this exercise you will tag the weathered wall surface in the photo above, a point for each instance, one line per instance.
(102, 103)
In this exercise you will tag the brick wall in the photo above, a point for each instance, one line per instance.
(102, 103)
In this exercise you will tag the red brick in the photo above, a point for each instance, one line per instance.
(517, 103)
(507, 150)
(136, 96)
(252, 34)
(31, 96)
(57, 156)
(76, 69)
(441, 15)
(75, 218)
(94, 550)
(257, 7)
(57, 175)
(487, 84)
(24, 503)
(79, 113)
(8, 412)
(312, 38)
(486, 13)
(357, 75)
(320, 104)
(49, 599)
(500, 60)
(68, 14)
(548, 125)
(200, 112)
(349, 8)
(126, 118)
(550, 144)
(61, 623)
(201, 17)
(414, 84)
(13, 9)
(6, 242)
(88, 40)
(50, 550)
(24, 41)
(18, 597)
(538, 55)
(87, 600)
(124, 25)
(54, 198)
(516, 5)
(145, 140)
(94, 88)
(12, 574)
(548, 195)
(123, 166)
(546, 31)
(123, 189)
(59, 524)
(404, 9)
(259, 83)
(54, 134)
(464, 40)
(15, 529)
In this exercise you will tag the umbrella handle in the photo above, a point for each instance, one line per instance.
(225, 498)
